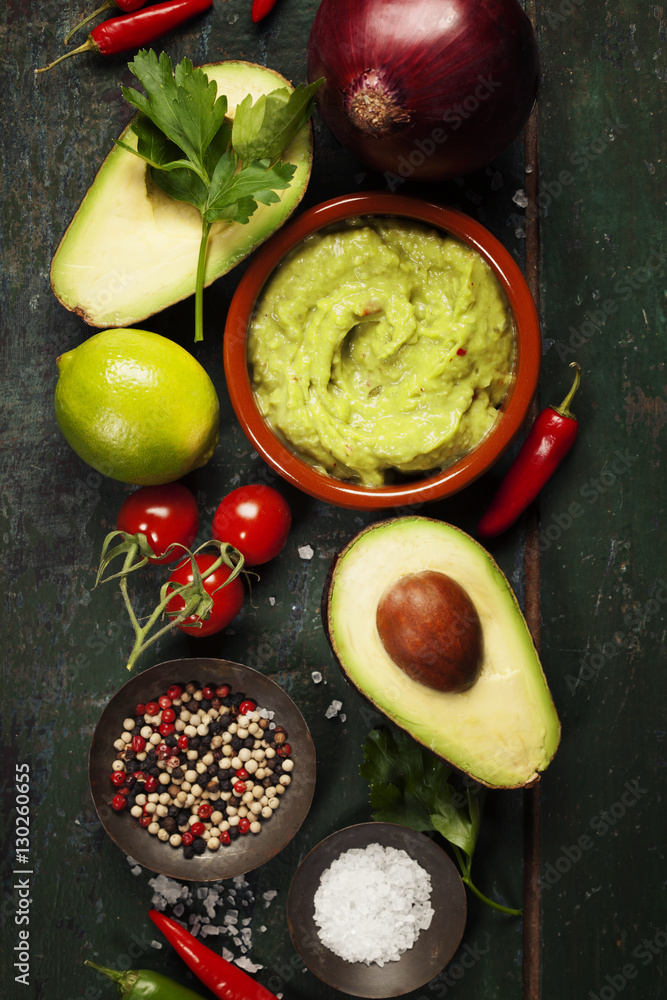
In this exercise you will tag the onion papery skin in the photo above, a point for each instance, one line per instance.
(424, 89)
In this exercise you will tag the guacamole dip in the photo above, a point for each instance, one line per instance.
(379, 348)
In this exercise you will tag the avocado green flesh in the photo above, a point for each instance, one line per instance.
(131, 250)
(504, 730)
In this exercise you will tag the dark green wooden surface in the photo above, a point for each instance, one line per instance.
(601, 282)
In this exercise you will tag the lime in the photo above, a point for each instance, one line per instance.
(136, 406)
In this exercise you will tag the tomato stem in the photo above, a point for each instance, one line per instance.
(196, 600)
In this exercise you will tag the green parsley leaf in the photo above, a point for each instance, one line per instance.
(183, 185)
(262, 130)
(256, 182)
(153, 146)
(412, 787)
(197, 156)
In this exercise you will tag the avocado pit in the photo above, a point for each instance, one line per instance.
(430, 628)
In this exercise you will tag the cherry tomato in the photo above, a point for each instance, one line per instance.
(165, 515)
(227, 602)
(256, 520)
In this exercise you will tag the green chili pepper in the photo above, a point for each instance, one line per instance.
(143, 984)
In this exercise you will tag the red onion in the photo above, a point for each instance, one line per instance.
(424, 89)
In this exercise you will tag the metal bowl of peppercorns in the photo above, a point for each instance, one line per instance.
(201, 769)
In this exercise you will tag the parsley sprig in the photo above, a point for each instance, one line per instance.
(412, 787)
(198, 155)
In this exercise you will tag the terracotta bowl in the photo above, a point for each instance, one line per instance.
(245, 853)
(431, 486)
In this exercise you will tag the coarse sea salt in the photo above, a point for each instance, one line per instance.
(372, 904)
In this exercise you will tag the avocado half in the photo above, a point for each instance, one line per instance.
(504, 730)
(131, 250)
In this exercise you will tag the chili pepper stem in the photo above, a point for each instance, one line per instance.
(199, 287)
(124, 980)
(91, 17)
(86, 47)
(564, 408)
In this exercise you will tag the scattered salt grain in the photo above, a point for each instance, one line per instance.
(317, 677)
(168, 892)
(306, 551)
(209, 929)
(269, 895)
(157, 945)
(520, 198)
(372, 903)
(272, 601)
(247, 965)
(333, 709)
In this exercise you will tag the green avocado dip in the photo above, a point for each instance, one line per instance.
(384, 347)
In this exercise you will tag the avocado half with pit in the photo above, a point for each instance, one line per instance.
(131, 250)
(426, 626)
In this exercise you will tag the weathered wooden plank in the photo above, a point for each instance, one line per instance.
(600, 121)
(602, 221)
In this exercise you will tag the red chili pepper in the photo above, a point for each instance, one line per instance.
(224, 979)
(548, 442)
(131, 31)
(260, 8)
(127, 6)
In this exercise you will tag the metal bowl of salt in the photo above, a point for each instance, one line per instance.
(336, 936)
